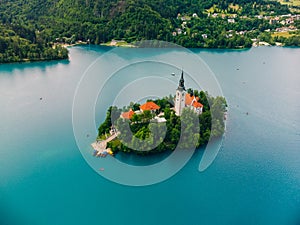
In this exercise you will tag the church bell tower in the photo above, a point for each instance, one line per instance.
(180, 97)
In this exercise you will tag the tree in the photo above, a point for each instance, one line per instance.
(147, 115)
(218, 109)
(112, 114)
(190, 91)
(189, 129)
(136, 107)
(167, 113)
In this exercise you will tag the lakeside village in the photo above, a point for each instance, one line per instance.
(154, 115)
(283, 27)
(284, 24)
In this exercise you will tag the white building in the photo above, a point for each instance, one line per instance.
(204, 36)
(180, 97)
(183, 100)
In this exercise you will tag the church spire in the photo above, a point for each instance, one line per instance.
(180, 96)
(181, 82)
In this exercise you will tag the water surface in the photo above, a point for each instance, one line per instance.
(255, 178)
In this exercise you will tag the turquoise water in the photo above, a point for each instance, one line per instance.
(255, 178)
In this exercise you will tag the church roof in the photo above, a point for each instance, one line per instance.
(149, 106)
(197, 105)
(188, 99)
(191, 100)
(181, 82)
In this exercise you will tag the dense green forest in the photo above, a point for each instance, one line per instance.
(210, 124)
(29, 28)
(20, 44)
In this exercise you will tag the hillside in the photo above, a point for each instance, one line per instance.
(190, 23)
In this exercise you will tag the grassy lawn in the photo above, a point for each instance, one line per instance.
(236, 7)
(290, 2)
(282, 34)
(215, 9)
(296, 2)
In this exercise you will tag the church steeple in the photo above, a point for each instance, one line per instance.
(181, 82)
(180, 96)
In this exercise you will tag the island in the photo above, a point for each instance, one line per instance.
(36, 30)
(187, 120)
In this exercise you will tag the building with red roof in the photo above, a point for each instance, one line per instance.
(183, 99)
(189, 99)
(151, 106)
(127, 115)
(193, 102)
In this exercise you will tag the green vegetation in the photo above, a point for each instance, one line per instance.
(20, 44)
(287, 38)
(29, 29)
(195, 130)
(294, 5)
(293, 40)
(282, 34)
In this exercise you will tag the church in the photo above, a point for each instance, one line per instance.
(184, 99)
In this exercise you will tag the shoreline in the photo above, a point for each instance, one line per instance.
(127, 45)
(27, 61)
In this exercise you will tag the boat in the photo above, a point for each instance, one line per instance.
(110, 152)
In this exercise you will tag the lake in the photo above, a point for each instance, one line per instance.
(49, 176)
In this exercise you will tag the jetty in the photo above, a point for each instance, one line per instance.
(100, 147)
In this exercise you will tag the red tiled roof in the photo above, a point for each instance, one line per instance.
(197, 105)
(149, 106)
(189, 99)
(127, 115)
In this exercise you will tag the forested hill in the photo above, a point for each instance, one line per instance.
(39, 23)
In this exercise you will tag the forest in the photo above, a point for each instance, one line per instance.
(20, 44)
(31, 29)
